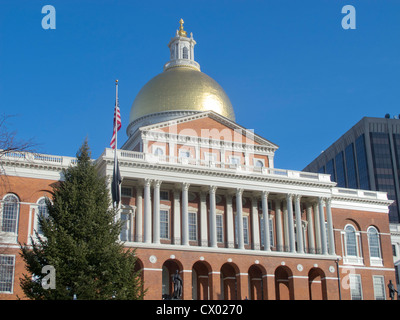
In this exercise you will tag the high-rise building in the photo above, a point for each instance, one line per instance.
(201, 196)
(366, 157)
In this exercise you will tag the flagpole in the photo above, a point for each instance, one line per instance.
(116, 121)
(115, 128)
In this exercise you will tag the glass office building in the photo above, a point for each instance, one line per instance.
(366, 157)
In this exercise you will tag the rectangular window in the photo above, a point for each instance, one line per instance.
(331, 170)
(7, 265)
(220, 230)
(164, 195)
(355, 287)
(362, 163)
(234, 161)
(246, 230)
(126, 191)
(379, 287)
(352, 181)
(192, 226)
(340, 172)
(184, 153)
(383, 169)
(164, 224)
(271, 231)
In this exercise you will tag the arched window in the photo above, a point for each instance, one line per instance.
(185, 53)
(158, 152)
(10, 214)
(42, 212)
(259, 164)
(374, 243)
(351, 241)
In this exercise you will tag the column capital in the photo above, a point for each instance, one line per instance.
(297, 197)
(239, 191)
(328, 201)
(289, 196)
(157, 183)
(265, 193)
(213, 189)
(185, 186)
(147, 182)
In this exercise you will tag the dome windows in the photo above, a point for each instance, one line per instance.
(185, 53)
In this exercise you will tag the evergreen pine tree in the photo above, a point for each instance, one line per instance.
(80, 240)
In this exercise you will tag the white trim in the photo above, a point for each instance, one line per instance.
(175, 247)
(13, 274)
(151, 269)
(365, 268)
(383, 283)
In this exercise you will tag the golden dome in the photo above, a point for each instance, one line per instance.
(181, 88)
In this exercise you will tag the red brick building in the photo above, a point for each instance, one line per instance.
(200, 195)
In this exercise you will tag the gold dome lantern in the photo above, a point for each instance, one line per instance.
(182, 86)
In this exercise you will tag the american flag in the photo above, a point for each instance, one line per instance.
(116, 123)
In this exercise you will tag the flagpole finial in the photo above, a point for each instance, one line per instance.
(116, 81)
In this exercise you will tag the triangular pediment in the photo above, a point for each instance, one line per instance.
(209, 125)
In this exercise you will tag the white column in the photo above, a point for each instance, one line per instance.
(239, 217)
(278, 223)
(147, 211)
(264, 199)
(203, 219)
(177, 216)
(139, 214)
(330, 226)
(213, 218)
(145, 144)
(286, 246)
(299, 227)
(185, 214)
(324, 248)
(255, 226)
(230, 226)
(156, 212)
(292, 243)
(310, 229)
(317, 228)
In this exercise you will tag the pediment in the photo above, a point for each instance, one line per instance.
(209, 125)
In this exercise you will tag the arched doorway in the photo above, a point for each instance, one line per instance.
(284, 283)
(229, 281)
(139, 269)
(201, 281)
(257, 284)
(317, 284)
(168, 270)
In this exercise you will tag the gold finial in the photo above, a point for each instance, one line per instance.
(116, 81)
(181, 31)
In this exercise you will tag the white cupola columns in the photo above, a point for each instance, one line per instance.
(182, 50)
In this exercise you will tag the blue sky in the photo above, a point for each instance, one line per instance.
(293, 74)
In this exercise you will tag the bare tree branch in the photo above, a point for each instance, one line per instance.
(9, 142)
